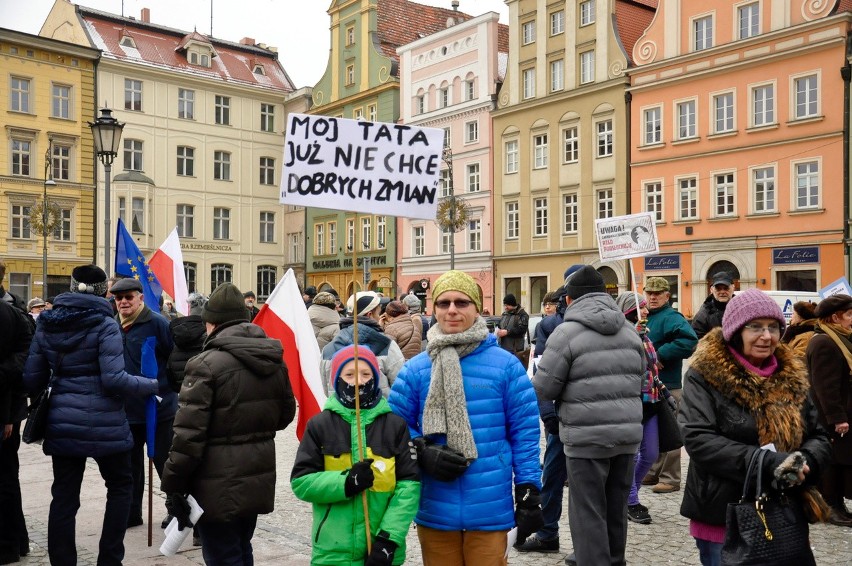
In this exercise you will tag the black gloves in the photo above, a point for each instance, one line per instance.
(382, 552)
(528, 516)
(359, 478)
(551, 425)
(442, 462)
(179, 508)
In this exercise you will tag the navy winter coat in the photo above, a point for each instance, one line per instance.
(81, 343)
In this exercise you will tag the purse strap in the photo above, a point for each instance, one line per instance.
(756, 460)
(53, 372)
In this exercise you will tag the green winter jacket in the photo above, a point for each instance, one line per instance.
(323, 460)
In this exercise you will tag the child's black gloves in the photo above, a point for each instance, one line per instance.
(528, 514)
(442, 462)
(382, 552)
(359, 478)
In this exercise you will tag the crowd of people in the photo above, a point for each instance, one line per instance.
(431, 420)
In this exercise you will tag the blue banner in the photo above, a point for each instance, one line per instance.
(150, 370)
(130, 262)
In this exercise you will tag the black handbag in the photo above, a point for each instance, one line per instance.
(36, 423)
(668, 431)
(764, 530)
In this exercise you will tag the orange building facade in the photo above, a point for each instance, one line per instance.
(737, 145)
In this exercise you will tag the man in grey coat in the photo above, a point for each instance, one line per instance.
(593, 366)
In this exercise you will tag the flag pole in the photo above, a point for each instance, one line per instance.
(150, 500)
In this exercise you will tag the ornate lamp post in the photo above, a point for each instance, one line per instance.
(44, 216)
(106, 132)
(452, 212)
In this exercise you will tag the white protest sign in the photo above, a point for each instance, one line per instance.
(361, 166)
(623, 237)
(836, 287)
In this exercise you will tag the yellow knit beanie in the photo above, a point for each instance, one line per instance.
(458, 281)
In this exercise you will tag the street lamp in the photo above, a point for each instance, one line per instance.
(46, 225)
(106, 132)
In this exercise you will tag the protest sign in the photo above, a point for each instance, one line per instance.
(361, 166)
(623, 237)
(836, 287)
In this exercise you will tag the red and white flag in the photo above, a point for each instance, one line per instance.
(167, 265)
(285, 317)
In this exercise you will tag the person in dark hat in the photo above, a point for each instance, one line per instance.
(80, 345)
(236, 396)
(308, 295)
(560, 292)
(513, 325)
(145, 333)
(709, 315)
(250, 299)
(592, 367)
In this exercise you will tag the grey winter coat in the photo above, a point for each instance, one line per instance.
(326, 323)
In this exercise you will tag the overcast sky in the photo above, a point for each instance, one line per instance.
(298, 28)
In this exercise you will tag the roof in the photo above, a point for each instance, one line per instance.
(632, 18)
(844, 6)
(161, 46)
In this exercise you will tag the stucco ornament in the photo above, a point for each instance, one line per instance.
(54, 217)
(646, 51)
(616, 69)
(453, 214)
(815, 9)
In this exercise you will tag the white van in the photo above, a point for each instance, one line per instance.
(786, 300)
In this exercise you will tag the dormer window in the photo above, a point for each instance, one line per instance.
(259, 70)
(199, 58)
(127, 41)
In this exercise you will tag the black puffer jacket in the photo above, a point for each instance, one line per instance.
(708, 317)
(188, 333)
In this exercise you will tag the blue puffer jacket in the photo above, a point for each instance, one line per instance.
(501, 405)
(82, 343)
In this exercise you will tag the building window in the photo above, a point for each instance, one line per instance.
(372, 112)
(418, 241)
(350, 36)
(688, 198)
(474, 235)
(122, 209)
(447, 137)
(702, 33)
(350, 234)
(572, 145)
(511, 156)
(540, 151)
(21, 228)
(350, 75)
(763, 105)
(19, 95)
(557, 22)
(220, 273)
(62, 230)
(332, 237)
(223, 110)
(723, 106)
(764, 189)
(513, 221)
(446, 240)
(381, 227)
(366, 233)
(420, 104)
(221, 223)
(267, 171)
(132, 95)
(587, 12)
(749, 18)
(725, 194)
(267, 227)
(137, 215)
(606, 205)
(132, 155)
(529, 83)
(540, 217)
(587, 67)
(570, 213)
(185, 161)
(528, 32)
(471, 132)
(61, 107)
(267, 117)
(604, 133)
(807, 185)
(652, 124)
(295, 248)
(469, 90)
(186, 221)
(472, 177)
(21, 157)
(445, 183)
(686, 120)
(654, 200)
(61, 162)
(443, 97)
(259, 70)
(267, 277)
(222, 165)
(186, 103)
(557, 75)
(807, 96)
(190, 271)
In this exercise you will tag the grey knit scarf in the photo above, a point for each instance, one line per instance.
(445, 411)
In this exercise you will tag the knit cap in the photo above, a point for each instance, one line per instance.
(224, 305)
(196, 303)
(367, 302)
(510, 300)
(571, 271)
(412, 302)
(347, 354)
(455, 280)
(396, 308)
(89, 279)
(584, 281)
(747, 306)
(325, 299)
(627, 302)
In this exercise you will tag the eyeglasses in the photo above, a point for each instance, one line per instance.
(551, 304)
(459, 303)
(759, 329)
(119, 298)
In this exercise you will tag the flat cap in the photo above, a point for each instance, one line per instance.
(126, 284)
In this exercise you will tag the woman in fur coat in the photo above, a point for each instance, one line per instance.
(742, 392)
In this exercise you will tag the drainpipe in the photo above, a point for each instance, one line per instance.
(846, 74)
(628, 99)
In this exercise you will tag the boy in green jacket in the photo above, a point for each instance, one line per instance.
(328, 474)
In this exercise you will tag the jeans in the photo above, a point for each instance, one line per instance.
(228, 544)
(61, 524)
(710, 553)
(552, 486)
(13, 528)
(649, 450)
(162, 445)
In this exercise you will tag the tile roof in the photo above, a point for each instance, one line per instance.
(844, 6)
(161, 46)
(632, 18)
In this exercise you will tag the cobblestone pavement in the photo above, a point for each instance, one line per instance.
(283, 537)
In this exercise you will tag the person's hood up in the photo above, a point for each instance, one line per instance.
(186, 330)
(248, 343)
(596, 311)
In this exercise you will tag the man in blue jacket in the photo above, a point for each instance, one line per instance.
(143, 331)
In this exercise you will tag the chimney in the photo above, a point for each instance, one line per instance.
(247, 41)
(455, 5)
(146, 15)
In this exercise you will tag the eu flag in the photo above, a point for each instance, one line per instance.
(130, 262)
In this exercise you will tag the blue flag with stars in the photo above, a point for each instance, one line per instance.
(130, 262)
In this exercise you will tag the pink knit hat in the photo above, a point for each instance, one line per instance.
(747, 306)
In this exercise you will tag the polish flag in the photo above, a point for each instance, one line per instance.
(285, 318)
(167, 265)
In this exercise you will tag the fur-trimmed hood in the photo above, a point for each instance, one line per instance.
(774, 401)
